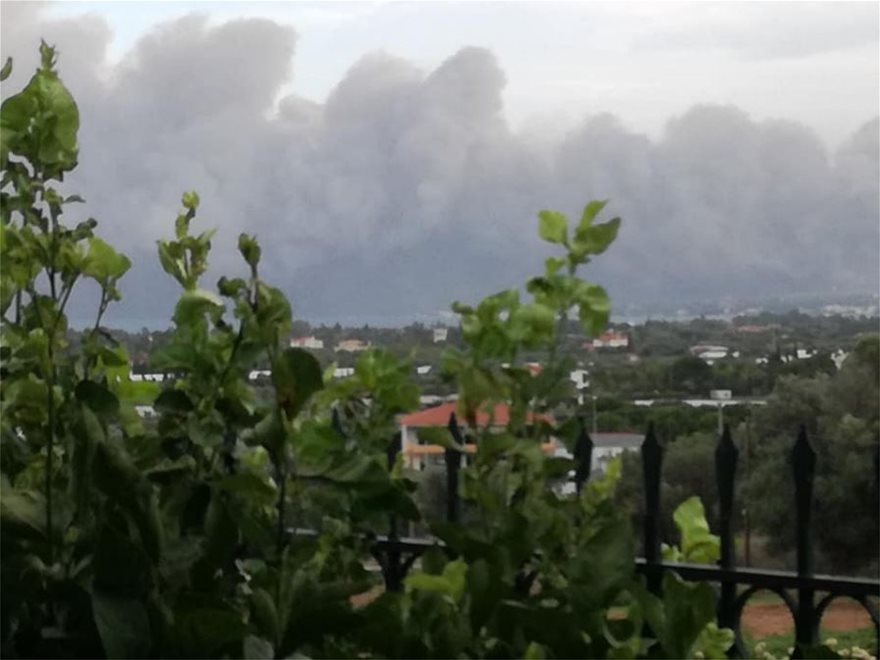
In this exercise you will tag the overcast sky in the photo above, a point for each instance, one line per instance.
(643, 62)
(738, 141)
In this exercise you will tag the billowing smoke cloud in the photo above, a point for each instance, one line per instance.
(407, 189)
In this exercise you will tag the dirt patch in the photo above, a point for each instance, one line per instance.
(773, 618)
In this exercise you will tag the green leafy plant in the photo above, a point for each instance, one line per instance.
(241, 524)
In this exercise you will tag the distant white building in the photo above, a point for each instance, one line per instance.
(145, 411)
(307, 342)
(150, 378)
(343, 372)
(611, 339)
(352, 345)
(605, 447)
(440, 334)
(579, 378)
(800, 354)
(259, 373)
(838, 357)
(709, 357)
(709, 354)
(423, 370)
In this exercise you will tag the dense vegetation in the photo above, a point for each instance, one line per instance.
(122, 541)
(179, 539)
(842, 416)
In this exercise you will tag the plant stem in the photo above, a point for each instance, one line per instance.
(50, 448)
(282, 499)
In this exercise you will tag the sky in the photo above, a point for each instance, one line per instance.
(393, 156)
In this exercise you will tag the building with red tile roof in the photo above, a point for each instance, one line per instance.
(418, 455)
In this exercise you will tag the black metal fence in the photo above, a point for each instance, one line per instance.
(800, 590)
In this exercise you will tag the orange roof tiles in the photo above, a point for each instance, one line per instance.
(439, 416)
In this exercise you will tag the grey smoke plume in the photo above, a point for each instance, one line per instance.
(407, 189)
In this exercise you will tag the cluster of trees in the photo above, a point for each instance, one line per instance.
(840, 413)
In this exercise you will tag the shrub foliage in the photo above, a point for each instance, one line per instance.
(178, 539)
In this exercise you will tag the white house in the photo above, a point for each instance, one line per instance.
(605, 447)
(307, 342)
(150, 378)
(343, 372)
(838, 357)
(611, 339)
(352, 345)
(423, 370)
(440, 334)
(579, 378)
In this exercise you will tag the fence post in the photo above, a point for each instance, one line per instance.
(453, 465)
(726, 455)
(336, 422)
(392, 568)
(583, 456)
(803, 461)
(652, 463)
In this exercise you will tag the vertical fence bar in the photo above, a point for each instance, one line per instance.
(453, 465)
(726, 455)
(652, 463)
(876, 475)
(336, 423)
(583, 456)
(394, 449)
(392, 568)
(803, 461)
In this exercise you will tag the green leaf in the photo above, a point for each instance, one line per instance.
(534, 651)
(172, 262)
(451, 583)
(22, 512)
(202, 632)
(594, 307)
(123, 625)
(113, 358)
(485, 591)
(698, 544)
(231, 288)
(595, 239)
(6, 70)
(714, 642)
(265, 614)
(194, 304)
(591, 210)
(249, 249)
(117, 476)
(190, 200)
(104, 264)
(257, 648)
(688, 608)
(173, 401)
(97, 397)
(247, 484)
(296, 375)
(553, 226)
